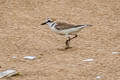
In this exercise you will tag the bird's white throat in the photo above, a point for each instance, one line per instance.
(51, 24)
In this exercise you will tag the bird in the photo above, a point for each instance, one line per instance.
(64, 28)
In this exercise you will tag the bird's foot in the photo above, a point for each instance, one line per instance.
(63, 49)
(67, 48)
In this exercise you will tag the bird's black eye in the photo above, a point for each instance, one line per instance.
(49, 21)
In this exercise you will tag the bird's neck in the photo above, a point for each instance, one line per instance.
(51, 24)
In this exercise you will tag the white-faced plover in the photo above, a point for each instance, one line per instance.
(65, 29)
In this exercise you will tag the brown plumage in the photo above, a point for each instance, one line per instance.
(63, 25)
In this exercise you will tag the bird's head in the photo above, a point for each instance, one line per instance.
(49, 21)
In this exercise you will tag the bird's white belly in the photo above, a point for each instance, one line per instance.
(65, 31)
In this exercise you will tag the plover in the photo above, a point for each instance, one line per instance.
(64, 28)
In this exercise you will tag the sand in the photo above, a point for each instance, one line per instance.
(21, 34)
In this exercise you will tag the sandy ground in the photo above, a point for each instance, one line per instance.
(22, 35)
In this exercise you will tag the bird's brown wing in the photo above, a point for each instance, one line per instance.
(63, 25)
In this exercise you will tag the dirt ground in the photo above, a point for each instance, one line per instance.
(21, 34)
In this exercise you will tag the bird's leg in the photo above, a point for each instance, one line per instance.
(68, 43)
(74, 36)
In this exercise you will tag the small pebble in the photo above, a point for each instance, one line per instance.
(115, 52)
(88, 60)
(14, 57)
(98, 77)
(30, 57)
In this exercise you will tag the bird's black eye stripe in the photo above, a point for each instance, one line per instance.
(48, 21)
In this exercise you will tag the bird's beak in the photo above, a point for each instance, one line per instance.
(43, 23)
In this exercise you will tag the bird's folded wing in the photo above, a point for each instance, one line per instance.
(63, 25)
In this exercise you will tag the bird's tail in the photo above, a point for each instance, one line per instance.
(85, 25)
(88, 25)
